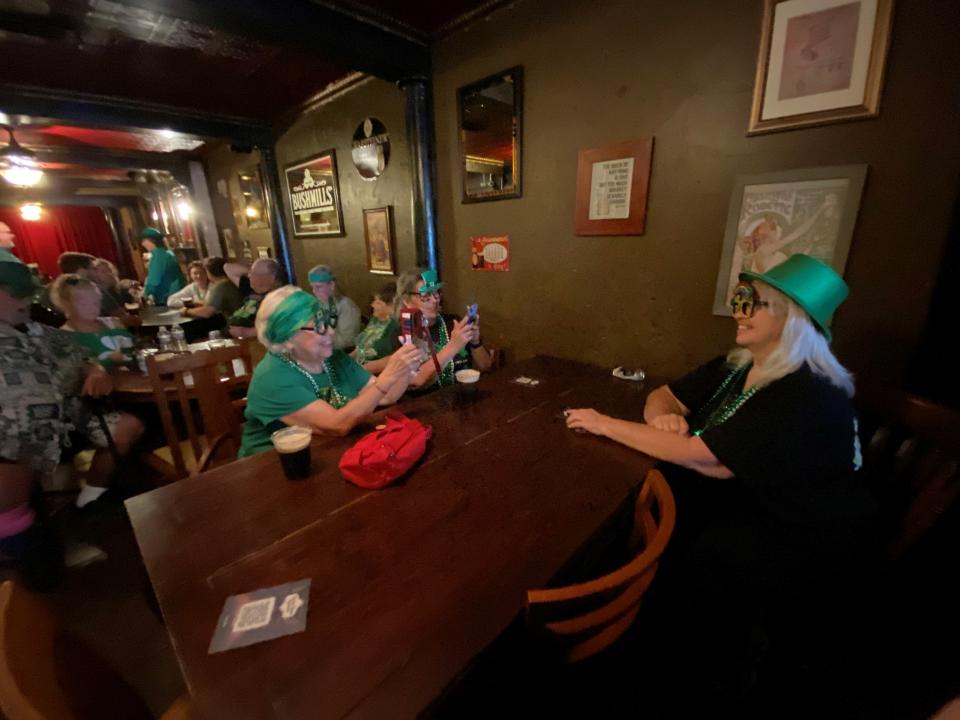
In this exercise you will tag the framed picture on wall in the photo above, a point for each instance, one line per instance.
(612, 186)
(775, 215)
(313, 193)
(254, 208)
(821, 61)
(378, 238)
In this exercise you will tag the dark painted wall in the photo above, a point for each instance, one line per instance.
(223, 167)
(683, 72)
(332, 126)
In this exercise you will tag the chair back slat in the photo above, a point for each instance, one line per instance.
(587, 617)
(911, 459)
(213, 375)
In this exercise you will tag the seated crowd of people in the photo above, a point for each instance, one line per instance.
(732, 435)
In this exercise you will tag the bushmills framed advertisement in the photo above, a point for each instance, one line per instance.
(313, 192)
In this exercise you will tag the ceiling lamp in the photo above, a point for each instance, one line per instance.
(30, 212)
(18, 166)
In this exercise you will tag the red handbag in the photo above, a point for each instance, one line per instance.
(382, 456)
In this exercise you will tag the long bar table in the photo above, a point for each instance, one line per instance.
(409, 583)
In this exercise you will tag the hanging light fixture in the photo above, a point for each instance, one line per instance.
(30, 212)
(18, 166)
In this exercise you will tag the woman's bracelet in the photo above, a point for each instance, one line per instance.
(382, 391)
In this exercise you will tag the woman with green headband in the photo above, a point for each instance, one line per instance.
(303, 381)
(457, 341)
(762, 454)
(323, 282)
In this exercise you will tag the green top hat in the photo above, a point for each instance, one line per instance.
(151, 233)
(430, 284)
(811, 284)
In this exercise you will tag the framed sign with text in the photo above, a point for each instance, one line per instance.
(313, 192)
(612, 186)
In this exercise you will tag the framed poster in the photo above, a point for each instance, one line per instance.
(774, 215)
(612, 186)
(251, 198)
(313, 192)
(378, 238)
(821, 61)
(490, 253)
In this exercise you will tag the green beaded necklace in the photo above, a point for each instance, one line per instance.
(330, 394)
(726, 410)
(446, 375)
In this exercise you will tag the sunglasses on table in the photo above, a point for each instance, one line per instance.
(746, 301)
(321, 322)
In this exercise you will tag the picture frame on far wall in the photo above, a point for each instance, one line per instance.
(612, 187)
(820, 62)
(774, 215)
(313, 194)
(378, 239)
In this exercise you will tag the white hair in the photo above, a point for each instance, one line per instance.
(406, 286)
(800, 343)
(267, 307)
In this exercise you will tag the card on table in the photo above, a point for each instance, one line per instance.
(261, 615)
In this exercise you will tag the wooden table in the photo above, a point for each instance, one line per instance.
(409, 583)
(152, 316)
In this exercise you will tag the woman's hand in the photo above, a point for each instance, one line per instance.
(401, 365)
(97, 383)
(588, 420)
(671, 423)
(463, 333)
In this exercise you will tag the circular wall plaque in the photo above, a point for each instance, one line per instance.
(371, 148)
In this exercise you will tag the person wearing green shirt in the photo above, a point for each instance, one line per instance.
(303, 381)
(104, 338)
(381, 336)
(163, 274)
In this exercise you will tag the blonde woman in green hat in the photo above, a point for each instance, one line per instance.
(457, 342)
(763, 456)
(304, 381)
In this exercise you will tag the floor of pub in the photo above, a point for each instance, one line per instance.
(108, 603)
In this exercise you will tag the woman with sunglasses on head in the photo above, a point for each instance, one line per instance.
(303, 381)
(456, 341)
(763, 457)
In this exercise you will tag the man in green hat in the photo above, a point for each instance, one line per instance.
(762, 452)
(45, 380)
(164, 276)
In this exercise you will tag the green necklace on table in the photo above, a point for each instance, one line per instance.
(726, 410)
(330, 394)
(446, 375)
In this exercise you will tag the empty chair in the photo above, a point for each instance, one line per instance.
(209, 377)
(48, 674)
(581, 620)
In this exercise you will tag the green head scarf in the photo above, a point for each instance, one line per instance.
(294, 311)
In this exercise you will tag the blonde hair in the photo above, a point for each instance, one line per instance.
(800, 343)
(406, 285)
(63, 288)
(267, 307)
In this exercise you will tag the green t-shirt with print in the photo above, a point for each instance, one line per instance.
(378, 339)
(278, 389)
(104, 343)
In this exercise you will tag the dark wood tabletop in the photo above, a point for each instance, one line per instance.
(409, 583)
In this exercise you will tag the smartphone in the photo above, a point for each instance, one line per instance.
(472, 313)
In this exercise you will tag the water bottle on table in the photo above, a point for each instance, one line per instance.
(164, 340)
(178, 339)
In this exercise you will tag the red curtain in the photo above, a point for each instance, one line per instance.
(61, 228)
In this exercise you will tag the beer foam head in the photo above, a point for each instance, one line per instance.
(291, 439)
(467, 376)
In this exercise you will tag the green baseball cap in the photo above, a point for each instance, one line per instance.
(16, 278)
(810, 283)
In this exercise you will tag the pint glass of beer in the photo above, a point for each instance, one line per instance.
(293, 446)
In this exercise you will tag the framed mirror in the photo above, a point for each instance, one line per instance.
(489, 120)
(252, 203)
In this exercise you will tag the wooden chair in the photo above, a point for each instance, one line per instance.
(583, 619)
(48, 674)
(911, 455)
(209, 377)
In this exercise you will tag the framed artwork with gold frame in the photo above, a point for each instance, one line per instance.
(378, 239)
(820, 62)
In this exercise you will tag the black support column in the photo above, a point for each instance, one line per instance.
(419, 115)
(274, 197)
